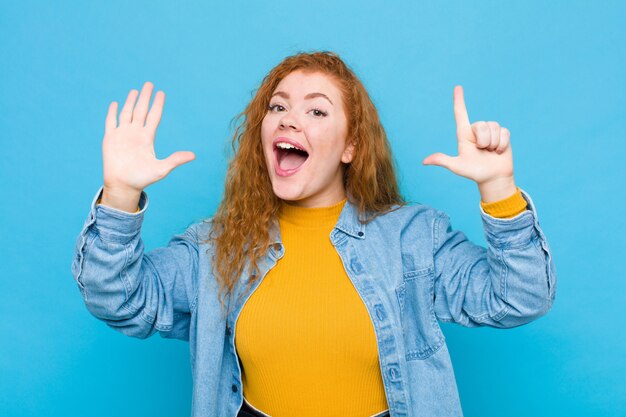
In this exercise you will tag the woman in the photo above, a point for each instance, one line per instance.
(331, 283)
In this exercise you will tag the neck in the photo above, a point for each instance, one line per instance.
(296, 215)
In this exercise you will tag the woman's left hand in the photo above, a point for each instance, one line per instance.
(485, 154)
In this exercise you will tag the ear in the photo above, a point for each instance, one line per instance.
(348, 153)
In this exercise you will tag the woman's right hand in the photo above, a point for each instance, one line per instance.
(129, 161)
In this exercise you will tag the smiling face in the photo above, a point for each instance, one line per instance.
(304, 140)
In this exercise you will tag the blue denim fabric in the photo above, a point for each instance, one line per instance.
(410, 268)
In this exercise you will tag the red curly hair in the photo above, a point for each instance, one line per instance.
(240, 231)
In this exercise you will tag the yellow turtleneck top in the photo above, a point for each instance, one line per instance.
(304, 337)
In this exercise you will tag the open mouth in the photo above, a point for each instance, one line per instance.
(289, 157)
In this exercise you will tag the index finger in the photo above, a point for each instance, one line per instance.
(460, 111)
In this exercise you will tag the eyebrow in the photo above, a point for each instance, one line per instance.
(308, 96)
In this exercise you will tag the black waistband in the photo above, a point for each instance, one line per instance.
(247, 411)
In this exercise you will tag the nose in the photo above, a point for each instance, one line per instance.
(287, 121)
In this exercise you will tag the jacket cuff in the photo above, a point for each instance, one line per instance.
(517, 231)
(115, 225)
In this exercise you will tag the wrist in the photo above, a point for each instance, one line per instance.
(497, 189)
(121, 199)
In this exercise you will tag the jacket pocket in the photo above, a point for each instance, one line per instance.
(422, 334)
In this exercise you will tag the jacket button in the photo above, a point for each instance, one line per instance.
(234, 387)
(360, 233)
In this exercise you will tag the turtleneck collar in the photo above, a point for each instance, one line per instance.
(311, 217)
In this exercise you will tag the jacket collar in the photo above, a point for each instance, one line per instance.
(347, 223)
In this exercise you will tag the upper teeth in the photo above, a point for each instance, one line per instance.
(285, 145)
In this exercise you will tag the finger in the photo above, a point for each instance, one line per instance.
(127, 111)
(154, 116)
(494, 128)
(111, 120)
(460, 113)
(442, 160)
(174, 160)
(505, 140)
(482, 133)
(141, 109)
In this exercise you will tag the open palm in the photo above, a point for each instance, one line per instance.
(129, 160)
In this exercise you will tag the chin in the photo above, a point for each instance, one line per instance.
(287, 196)
(286, 193)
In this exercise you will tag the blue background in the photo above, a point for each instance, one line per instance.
(551, 72)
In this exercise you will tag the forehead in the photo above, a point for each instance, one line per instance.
(300, 83)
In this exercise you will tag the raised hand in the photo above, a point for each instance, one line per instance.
(129, 160)
(485, 154)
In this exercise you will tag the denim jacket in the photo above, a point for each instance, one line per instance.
(410, 267)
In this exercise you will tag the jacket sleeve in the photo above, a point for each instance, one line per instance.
(508, 284)
(134, 292)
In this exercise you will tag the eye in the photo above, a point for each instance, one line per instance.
(319, 113)
(273, 107)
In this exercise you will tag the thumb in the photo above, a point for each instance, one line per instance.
(440, 159)
(176, 159)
